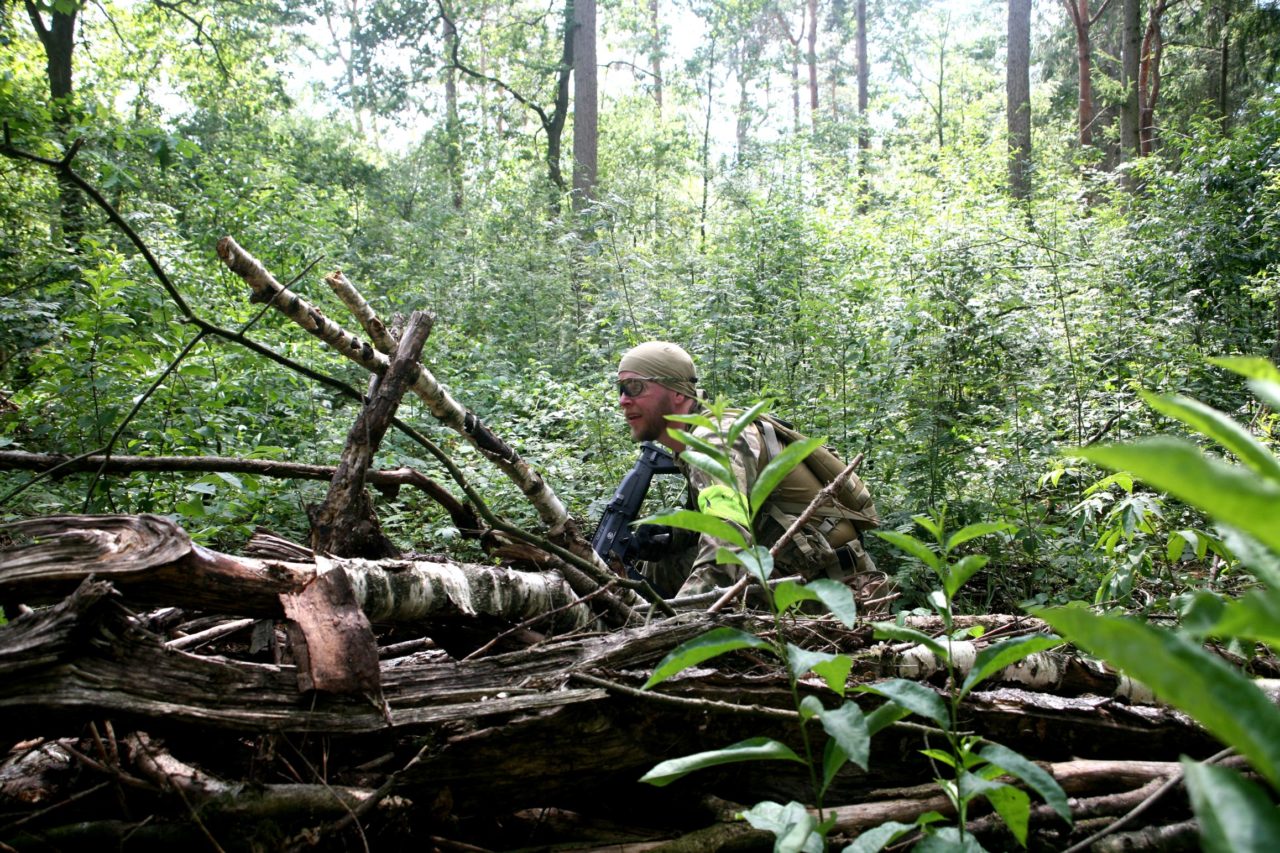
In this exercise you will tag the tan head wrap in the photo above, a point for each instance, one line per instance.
(664, 363)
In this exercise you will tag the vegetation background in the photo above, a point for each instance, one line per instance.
(908, 271)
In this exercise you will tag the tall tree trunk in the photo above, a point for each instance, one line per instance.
(584, 102)
(58, 37)
(1018, 97)
(1149, 78)
(813, 63)
(1130, 59)
(655, 53)
(864, 75)
(452, 126)
(1079, 13)
(554, 125)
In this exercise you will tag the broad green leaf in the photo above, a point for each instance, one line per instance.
(1256, 617)
(1227, 493)
(746, 419)
(1186, 676)
(708, 446)
(833, 760)
(695, 419)
(1264, 562)
(714, 468)
(901, 633)
(789, 593)
(1035, 777)
(965, 568)
(1014, 807)
(778, 468)
(847, 726)
(884, 716)
(916, 698)
(833, 669)
(810, 707)
(930, 524)
(1235, 815)
(837, 597)
(1178, 541)
(948, 840)
(1267, 391)
(724, 502)
(794, 829)
(759, 562)
(973, 531)
(716, 642)
(1250, 367)
(876, 839)
(753, 749)
(912, 546)
(994, 658)
(698, 522)
(1215, 425)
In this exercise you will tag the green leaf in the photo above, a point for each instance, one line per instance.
(1235, 816)
(912, 546)
(1036, 778)
(716, 469)
(724, 502)
(876, 839)
(1222, 429)
(1014, 807)
(1255, 617)
(916, 698)
(973, 531)
(716, 642)
(1227, 493)
(833, 761)
(1186, 676)
(778, 468)
(948, 840)
(1267, 391)
(837, 597)
(699, 522)
(753, 749)
(994, 658)
(746, 419)
(794, 829)
(789, 593)
(848, 727)
(903, 634)
(759, 562)
(960, 573)
(833, 669)
(1250, 367)
(884, 716)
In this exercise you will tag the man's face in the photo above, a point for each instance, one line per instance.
(646, 412)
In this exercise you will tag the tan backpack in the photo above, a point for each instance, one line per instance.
(853, 501)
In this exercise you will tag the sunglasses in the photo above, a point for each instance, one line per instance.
(635, 387)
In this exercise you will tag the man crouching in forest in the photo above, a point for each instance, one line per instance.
(656, 379)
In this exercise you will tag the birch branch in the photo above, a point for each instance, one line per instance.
(439, 402)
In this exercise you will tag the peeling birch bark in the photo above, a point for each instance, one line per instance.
(362, 311)
(153, 562)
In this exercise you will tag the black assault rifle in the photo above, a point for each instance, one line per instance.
(616, 541)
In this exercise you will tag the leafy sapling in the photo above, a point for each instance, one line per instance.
(969, 767)
(728, 510)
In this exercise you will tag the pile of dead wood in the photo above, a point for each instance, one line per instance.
(345, 694)
(177, 695)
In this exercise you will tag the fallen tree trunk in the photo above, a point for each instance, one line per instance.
(155, 563)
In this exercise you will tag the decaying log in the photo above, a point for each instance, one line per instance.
(345, 524)
(154, 563)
